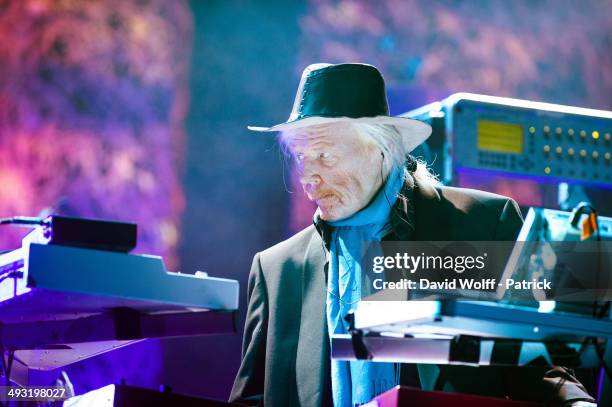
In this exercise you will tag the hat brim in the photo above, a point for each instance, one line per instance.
(413, 132)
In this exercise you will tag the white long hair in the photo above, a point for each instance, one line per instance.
(387, 139)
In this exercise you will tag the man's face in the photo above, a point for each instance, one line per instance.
(338, 171)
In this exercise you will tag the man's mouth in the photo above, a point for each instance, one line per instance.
(325, 199)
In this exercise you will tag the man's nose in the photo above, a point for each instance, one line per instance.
(313, 179)
(309, 181)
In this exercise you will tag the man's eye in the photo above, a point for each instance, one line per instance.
(299, 157)
(324, 156)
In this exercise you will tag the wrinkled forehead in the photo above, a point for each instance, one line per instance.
(336, 135)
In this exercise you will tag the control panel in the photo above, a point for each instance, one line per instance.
(522, 138)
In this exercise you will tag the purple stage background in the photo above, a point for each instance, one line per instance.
(93, 99)
(138, 109)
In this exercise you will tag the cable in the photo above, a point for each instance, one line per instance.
(26, 221)
(6, 366)
(12, 274)
(579, 210)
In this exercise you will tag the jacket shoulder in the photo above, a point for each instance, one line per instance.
(467, 196)
(450, 213)
(292, 249)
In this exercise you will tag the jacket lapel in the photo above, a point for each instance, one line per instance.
(312, 359)
(430, 216)
(418, 215)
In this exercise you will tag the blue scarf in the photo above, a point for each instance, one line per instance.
(357, 382)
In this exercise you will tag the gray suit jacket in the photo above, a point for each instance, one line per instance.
(286, 349)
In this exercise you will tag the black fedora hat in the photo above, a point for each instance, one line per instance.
(347, 93)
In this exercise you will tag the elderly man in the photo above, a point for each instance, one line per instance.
(354, 163)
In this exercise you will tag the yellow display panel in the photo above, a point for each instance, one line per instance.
(499, 137)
